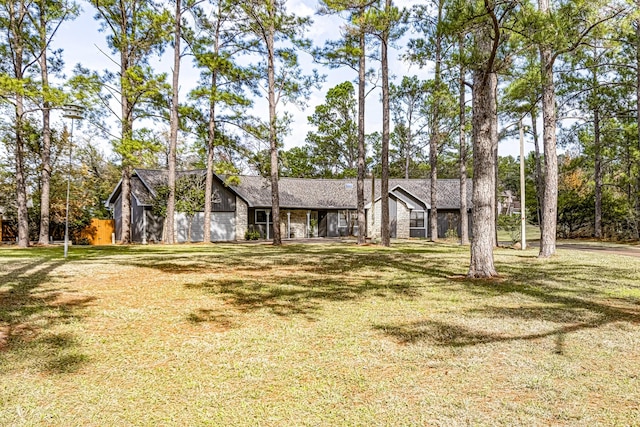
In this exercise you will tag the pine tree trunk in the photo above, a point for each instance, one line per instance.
(434, 141)
(126, 131)
(464, 216)
(598, 175)
(174, 123)
(538, 159)
(484, 122)
(494, 202)
(45, 152)
(433, 175)
(125, 236)
(273, 140)
(407, 149)
(637, 196)
(384, 184)
(21, 188)
(550, 198)
(208, 190)
(361, 148)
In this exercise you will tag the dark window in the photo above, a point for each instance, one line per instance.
(417, 219)
(261, 216)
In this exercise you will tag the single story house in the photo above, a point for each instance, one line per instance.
(308, 208)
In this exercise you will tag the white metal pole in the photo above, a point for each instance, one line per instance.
(66, 219)
(72, 112)
(523, 217)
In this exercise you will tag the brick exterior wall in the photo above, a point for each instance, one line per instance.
(242, 218)
(402, 221)
(373, 227)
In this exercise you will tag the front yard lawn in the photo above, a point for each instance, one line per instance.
(316, 334)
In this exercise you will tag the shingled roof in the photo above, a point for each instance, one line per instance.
(341, 193)
(302, 193)
(299, 193)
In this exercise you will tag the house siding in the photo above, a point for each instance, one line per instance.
(222, 227)
(332, 224)
(155, 227)
(399, 215)
(373, 221)
(393, 217)
(117, 216)
(222, 200)
(450, 220)
(137, 221)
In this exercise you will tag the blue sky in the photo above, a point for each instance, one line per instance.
(83, 43)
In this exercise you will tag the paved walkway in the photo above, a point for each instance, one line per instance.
(608, 248)
(602, 247)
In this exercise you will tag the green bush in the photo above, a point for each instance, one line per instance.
(251, 234)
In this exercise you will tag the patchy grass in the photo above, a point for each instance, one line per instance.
(316, 335)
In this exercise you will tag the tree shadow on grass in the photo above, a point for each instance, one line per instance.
(297, 296)
(454, 336)
(551, 299)
(222, 321)
(312, 258)
(30, 310)
(298, 280)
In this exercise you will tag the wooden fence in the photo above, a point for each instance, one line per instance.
(99, 231)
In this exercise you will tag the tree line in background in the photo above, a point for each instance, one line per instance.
(567, 72)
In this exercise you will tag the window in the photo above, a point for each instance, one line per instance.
(342, 218)
(261, 216)
(417, 219)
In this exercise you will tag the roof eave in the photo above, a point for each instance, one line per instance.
(108, 202)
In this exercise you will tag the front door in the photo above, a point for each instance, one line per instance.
(322, 223)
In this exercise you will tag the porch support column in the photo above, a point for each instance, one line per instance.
(144, 227)
(309, 224)
(288, 224)
(268, 211)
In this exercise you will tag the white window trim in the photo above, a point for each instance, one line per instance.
(424, 220)
(265, 214)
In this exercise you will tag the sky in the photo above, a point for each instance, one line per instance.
(83, 43)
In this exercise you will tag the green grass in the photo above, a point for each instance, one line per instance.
(316, 335)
